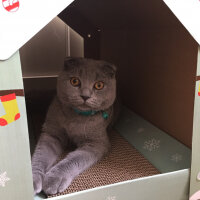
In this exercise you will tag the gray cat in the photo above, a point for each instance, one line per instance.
(79, 115)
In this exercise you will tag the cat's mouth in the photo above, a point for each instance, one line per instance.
(83, 107)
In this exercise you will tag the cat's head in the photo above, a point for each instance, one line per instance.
(87, 84)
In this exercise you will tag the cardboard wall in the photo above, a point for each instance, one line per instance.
(156, 75)
(44, 54)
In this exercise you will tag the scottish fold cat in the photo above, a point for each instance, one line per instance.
(79, 115)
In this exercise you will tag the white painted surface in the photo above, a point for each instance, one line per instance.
(11, 71)
(188, 12)
(16, 28)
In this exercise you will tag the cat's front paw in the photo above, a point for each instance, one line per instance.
(37, 183)
(55, 182)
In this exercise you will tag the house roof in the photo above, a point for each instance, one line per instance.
(19, 24)
(188, 12)
(16, 28)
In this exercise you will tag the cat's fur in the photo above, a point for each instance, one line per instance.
(64, 126)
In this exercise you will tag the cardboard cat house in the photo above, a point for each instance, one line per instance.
(155, 45)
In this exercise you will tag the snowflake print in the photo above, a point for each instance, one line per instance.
(111, 198)
(176, 157)
(3, 179)
(151, 145)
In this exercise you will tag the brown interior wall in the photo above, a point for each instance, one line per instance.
(156, 72)
(85, 28)
(43, 55)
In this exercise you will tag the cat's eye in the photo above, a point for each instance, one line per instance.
(75, 81)
(99, 85)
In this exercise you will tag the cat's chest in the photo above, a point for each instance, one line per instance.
(82, 125)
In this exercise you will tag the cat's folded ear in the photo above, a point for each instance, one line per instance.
(71, 62)
(109, 69)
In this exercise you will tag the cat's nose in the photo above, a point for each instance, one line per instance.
(85, 97)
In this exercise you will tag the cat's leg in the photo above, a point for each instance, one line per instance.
(47, 151)
(62, 174)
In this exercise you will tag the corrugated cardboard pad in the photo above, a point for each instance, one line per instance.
(123, 163)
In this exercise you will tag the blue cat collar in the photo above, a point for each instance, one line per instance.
(85, 113)
(91, 112)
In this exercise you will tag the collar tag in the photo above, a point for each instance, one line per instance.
(105, 115)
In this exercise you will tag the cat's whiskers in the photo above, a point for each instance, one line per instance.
(75, 100)
(93, 102)
(92, 105)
